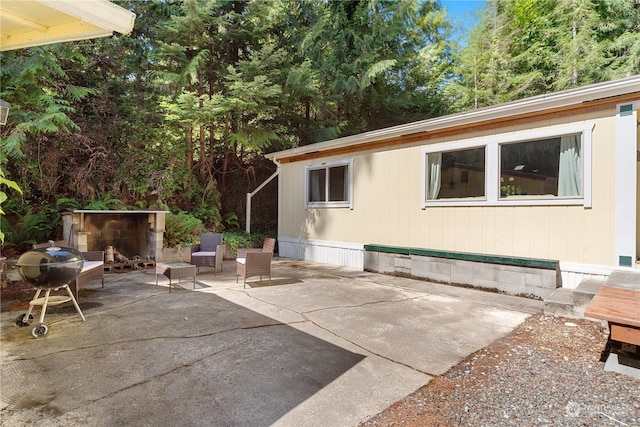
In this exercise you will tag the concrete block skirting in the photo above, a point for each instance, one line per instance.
(514, 276)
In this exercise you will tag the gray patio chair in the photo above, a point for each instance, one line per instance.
(209, 252)
(268, 245)
(254, 262)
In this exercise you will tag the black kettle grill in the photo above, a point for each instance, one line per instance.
(49, 269)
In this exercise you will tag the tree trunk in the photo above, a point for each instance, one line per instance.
(189, 155)
(203, 151)
(212, 149)
(225, 162)
(203, 156)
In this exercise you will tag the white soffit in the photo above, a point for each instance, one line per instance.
(582, 95)
(27, 23)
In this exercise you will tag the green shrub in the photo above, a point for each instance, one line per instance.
(67, 203)
(182, 229)
(207, 206)
(104, 202)
(32, 227)
(235, 239)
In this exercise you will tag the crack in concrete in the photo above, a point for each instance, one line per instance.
(456, 295)
(307, 319)
(160, 375)
(157, 376)
(364, 304)
(149, 339)
(123, 305)
(369, 350)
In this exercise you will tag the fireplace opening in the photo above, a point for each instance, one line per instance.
(128, 233)
(132, 233)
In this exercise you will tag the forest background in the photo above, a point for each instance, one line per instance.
(179, 114)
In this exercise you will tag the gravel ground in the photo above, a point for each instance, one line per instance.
(547, 372)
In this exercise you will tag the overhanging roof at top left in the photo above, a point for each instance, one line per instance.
(27, 23)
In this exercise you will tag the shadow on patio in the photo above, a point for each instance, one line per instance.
(145, 356)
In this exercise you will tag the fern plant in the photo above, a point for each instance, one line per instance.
(105, 203)
(3, 197)
(34, 227)
(182, 229)
(67, 203)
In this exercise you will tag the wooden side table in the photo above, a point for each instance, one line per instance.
(176, 270)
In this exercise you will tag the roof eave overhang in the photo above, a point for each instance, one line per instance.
(576, 98)
(96, 18)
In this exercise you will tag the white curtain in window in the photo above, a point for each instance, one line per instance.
(316, 185)
(435, 178)
(345, 188)
(570, 170)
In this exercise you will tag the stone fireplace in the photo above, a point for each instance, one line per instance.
(132, 233)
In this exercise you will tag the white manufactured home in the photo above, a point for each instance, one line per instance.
(524, 197)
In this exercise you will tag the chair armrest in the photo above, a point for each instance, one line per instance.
(220, 251)
(195, 248)
(242, 252)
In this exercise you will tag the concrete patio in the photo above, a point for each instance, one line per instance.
(318, 346)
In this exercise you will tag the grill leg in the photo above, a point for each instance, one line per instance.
(44, 305)
(27, 316)
(75, 303)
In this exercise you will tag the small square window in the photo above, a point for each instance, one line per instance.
(329, 185)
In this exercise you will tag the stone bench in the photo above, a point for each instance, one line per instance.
(530, 277)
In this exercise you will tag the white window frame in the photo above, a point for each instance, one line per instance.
(327, 165)
(452, 201)
(492, 169)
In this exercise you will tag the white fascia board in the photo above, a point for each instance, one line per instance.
(55, 35)
(87, 19)
(101, 13)
(513, 108)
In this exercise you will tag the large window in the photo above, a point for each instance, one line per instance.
(456, 174)
(548, 167)
(329, 184)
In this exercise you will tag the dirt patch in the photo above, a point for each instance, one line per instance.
(15, 295)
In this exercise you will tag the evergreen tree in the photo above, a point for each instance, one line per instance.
(220, 66)
(527, 47)
(380, 62)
